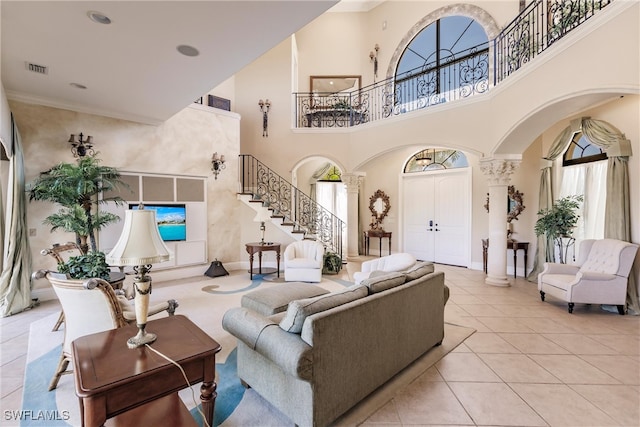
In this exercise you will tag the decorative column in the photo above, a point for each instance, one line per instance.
(498, 172)
(352, 181)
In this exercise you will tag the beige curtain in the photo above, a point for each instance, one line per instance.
(15, 280)
(617, 222)
(544, 247)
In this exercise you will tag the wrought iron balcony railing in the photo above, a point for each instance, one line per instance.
(287, 201)
(459, 76)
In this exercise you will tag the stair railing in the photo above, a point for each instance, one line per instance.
(287, 201)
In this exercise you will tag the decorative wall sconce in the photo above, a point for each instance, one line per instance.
(81, 147)
(217, 164)
(374, 58)
(264, 107)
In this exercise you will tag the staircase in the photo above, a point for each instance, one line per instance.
(291, 210)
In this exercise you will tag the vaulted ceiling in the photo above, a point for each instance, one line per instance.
(131, 68)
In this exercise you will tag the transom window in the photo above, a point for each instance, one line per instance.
(432, 159)
(581, 150)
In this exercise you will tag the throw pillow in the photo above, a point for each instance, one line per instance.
(383, 282)
(299, 310)
(418, 270)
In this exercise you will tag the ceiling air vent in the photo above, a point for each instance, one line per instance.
(40, 69)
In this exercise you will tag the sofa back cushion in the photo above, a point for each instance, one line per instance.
(298, 310)
(418, 270)
(380, 281)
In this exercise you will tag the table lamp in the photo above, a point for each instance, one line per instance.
(139, 246)
(262, 216)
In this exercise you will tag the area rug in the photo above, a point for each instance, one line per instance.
(204, 301)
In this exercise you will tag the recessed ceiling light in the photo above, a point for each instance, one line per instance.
(187, 50)
(77, 85)
(98, 17)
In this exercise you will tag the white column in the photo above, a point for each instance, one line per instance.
(352, 181)
(498, 172)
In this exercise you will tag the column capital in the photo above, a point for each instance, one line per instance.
(352, 181)
(498, 171)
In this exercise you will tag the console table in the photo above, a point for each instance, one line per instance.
(259, 247)
(112, 379)
(380, 234)
(511, 244)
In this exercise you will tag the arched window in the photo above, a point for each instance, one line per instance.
(581, 150)
(585, 173)
(447, 60)
(432, 159)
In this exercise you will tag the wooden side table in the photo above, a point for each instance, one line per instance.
(511, 244)
(259, 247)
(112, 379)
(380, 234)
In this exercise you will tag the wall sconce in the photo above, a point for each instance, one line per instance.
(374, 58)
(80, 147)
(217, 164)
(264, 107)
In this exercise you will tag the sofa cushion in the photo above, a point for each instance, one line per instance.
(382, 282)
(298, 310)
(273, 300)
(303, 263)
(418, 270)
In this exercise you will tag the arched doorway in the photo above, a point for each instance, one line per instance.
(436, 188)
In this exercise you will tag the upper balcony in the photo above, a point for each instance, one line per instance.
(458, 76)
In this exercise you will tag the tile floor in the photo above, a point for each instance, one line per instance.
(529, 363)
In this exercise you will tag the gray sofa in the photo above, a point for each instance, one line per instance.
(324, 354)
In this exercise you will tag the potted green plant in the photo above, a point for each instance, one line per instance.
(75, 187)
(332, 263)
(558, 222)
(87, 266)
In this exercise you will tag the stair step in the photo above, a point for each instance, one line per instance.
(298, 231)
(288, 224)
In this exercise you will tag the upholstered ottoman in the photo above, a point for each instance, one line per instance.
(275, 300)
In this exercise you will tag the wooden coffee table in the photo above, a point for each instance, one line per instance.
(112, 379)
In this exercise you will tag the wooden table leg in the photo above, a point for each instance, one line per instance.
(260, 262)
(251, 266)
(94, 411)
(389, 245)
(278, 261)
(515, 260)
(380, 246)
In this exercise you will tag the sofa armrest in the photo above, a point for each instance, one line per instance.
(555, 268)
(246, 325)
(285, 349)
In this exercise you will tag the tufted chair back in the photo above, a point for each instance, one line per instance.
(608, 256)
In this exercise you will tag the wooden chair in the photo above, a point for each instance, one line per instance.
(61, 253)
(91, 306)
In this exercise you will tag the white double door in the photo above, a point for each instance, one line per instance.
(436, 216)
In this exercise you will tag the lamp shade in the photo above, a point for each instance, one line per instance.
(263, 215)
(140, 242)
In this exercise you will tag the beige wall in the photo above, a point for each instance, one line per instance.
(181, 146)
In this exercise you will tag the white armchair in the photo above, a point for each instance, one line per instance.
(394, 262)
(303, 261)
(600, 275)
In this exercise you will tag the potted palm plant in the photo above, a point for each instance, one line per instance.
(75, 187)
(557, 223)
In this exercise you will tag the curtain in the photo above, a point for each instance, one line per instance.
(15, 280)
(617, 222)
(588, 179)
(545, 248)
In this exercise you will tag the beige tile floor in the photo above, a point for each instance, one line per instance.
(529, 363)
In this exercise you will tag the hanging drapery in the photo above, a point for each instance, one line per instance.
(617, 221)
(15, 280)
(544, 248)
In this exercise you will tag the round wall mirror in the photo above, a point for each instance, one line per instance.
(379, 206)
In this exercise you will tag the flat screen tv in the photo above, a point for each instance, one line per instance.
(171, 219)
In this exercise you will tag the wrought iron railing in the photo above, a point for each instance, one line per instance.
(287, 201)
(458, 76)
(537, 27)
